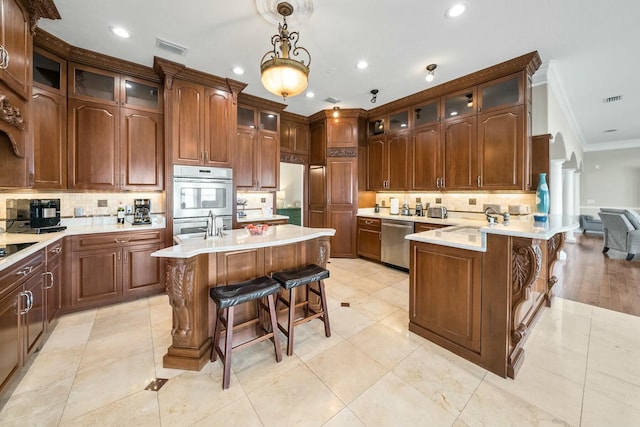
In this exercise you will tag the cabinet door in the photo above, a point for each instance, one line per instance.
(16, 39)
(96, 276)
(369, 243)
(49, 126)
(10, 350)
(343, 243)
(317, 196)
(444, 294)
(460, 104)
(377, 173)
(501, 146)
(94, 156)
(53, 288)
(287, 136)
(93, 84)
(268, 161)
(34, 319)
(244, 159)
(426, 159)
(318, 143)
(140, 95)
(460, 154)
(501, 93)
(141, 271)
(342, 132)
(218, 116)
(342, 204)
(398, 161)
(142, 160)
(187, 123)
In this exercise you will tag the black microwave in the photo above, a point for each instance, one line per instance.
(33, 215)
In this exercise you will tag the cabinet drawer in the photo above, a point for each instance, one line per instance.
(54, 251)
(422, 226)
(370, 223)
(107, 240)
(21, 270)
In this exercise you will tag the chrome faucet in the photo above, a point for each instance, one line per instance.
(211, 230)
(491, 219)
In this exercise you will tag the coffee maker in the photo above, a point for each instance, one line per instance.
(141, 211)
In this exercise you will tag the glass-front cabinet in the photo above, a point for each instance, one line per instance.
(394, 122)
(501, 93)
(460, 104)
(426, 114)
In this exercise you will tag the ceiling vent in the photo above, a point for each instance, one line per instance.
(332, 100)
(171, 47)
(612, 99)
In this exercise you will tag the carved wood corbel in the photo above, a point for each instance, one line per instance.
(526, 264)
(179, 287)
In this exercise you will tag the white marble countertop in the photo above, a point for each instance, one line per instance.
(43, 240)
(276, 235)
(253, 219)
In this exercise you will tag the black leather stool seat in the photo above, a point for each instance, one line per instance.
(290, 280)
(301, 276)
(238, 293)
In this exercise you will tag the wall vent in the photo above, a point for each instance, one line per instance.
(613, 99)
(171, 47)
(332, 100)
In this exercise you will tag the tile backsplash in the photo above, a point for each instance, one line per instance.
(464, 202)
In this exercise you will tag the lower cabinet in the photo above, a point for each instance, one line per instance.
(53, 280)
(112, 267)
(22, 315)
(419, 227)
(369, 243)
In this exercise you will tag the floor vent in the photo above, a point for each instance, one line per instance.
(171, 47)
(612, 99)
(156, 384)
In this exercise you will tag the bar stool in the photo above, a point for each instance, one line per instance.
(290, 280)
(226, 298)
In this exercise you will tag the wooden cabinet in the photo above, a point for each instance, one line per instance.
(294, 134)
(49, 125)
(257, 149)
(15, 48)
(342, 132)
(342, 204)
(388, 158)
(460, 154)
(202, 119)
(53, 281)
(113, 267)
(317, 196)
(445, 293)
(115, 131)
(369, 243)
(424, 226)
(22, 316)
(318, 143)
(425, 164)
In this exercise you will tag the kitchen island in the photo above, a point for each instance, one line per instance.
(476, 290)
(196, 264)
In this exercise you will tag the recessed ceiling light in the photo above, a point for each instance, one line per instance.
(453, 113)
(455, 10)
(310, 94)
(362, 65)
(238, 70)
(120, 32)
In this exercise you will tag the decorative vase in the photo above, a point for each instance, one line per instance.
(542, 195)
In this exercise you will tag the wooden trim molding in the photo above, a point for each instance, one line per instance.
(342, 152)
(10, 114)
(292, 158)
(40, 9)
(265, 104)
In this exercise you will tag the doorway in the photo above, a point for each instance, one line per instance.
(290, 198)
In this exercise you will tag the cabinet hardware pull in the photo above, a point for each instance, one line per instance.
(29, 300)
(206, 156)
(26, 308)
(437, 182)
(50, 275)
(56, 250)
(4, 58)
(25, 271)
(442, 184)
(122, 240)
(479, 181)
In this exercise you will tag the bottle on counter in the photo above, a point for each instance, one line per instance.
(120, 214)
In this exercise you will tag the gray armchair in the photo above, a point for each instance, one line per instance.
(621, 231)
(589, 223)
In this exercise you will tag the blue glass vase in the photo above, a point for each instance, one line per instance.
(542, 195)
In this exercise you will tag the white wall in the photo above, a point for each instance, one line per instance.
(292, 182)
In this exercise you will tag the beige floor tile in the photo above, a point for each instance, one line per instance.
(393, 296)
(439, 379)
(491, 406)
(346, 321)
(366, 285)
(310, 340)
(38, 407)
(344, 418)
(544, 389)
(559, 359)
(384, 344)
(332, 365)
(192, 396)
(609, 401)
(120, 320)
(120, 344)
(568, 306)
(161, 371)
(393, 402)
(344, 293)
(460, 362)
(70, 336)
(239, 414)
(103, 385)
(139, 409)
(298, 398)
(607, 356)
(375, 308)
(87, 316)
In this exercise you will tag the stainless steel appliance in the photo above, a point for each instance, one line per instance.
(405, 210)
(141, 211)
(198, 191)
(10, 249)
(437, 212)
(395, 248)
(33, 216)
(419, 209)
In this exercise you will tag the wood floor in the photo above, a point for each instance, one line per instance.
(591, 277)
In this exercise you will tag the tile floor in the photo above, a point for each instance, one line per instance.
(582, 367)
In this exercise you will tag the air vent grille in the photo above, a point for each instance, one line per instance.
(171, 47)
(612, 99)
(332, 100)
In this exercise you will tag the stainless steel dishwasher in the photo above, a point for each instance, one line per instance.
(395, 248)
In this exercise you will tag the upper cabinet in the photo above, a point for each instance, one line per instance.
(294, 134)
(387, 151)
(115, 131)
(257, 164)
(15, 48)
(202, 123)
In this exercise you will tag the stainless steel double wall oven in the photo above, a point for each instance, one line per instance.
(196, 192)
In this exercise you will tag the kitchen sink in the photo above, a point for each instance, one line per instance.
(465, 229)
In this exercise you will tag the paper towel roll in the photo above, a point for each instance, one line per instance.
(395, 206)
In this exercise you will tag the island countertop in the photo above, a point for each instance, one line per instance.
(235, 240)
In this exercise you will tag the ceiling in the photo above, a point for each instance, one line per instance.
(590, 45)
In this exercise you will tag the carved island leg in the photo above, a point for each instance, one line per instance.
(554, 245)
(187, 288)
